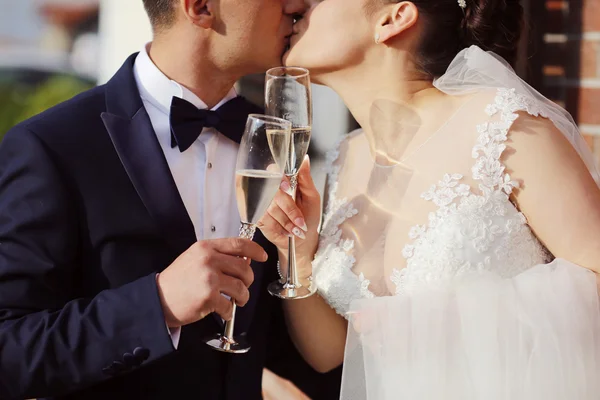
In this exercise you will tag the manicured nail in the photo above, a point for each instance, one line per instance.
(296, 231)
(300, 223)
(285, 186)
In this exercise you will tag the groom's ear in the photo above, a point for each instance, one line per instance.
(198, 12)
(398, 19)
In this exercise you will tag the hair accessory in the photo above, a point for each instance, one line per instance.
(462, 4)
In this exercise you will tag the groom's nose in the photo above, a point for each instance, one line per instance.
(295, 7)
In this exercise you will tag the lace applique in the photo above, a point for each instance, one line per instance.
(492, 234)
(444, 193)
(509, 102)
(332, 266)
(364, 287)
(469, 232)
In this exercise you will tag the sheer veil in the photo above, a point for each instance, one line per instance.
(474, 70)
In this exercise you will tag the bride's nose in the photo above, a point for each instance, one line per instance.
(295, 7)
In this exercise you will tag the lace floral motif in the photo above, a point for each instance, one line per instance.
(332, 266)
(492, 234)
(471, 231)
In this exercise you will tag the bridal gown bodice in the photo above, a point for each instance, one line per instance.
(441, 212)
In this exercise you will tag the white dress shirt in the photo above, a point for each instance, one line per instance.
(205, 173)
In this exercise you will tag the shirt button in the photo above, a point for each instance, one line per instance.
(213, 229)
(209, 165)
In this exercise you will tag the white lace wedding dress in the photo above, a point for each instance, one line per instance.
(448, 292)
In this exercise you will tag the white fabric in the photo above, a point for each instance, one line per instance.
(208, 163)
(474, 70)
(532, 337)
(448, 292)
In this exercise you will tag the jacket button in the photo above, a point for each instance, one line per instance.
(129, 359)
(141, 353)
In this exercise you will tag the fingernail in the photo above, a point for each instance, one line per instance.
(265, 256)
(296, 231)
(285, 186)
(301, 224)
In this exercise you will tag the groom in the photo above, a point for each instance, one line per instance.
(118, 224)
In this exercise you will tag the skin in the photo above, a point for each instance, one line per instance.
(207, 47)
(344, 55)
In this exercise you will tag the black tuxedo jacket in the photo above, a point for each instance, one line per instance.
(89, 213)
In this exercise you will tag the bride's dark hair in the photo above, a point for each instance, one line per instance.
(493, 25)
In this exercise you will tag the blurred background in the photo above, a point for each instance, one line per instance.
(47, 51)
(51, 50)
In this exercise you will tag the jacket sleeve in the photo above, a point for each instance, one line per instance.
(51, 341)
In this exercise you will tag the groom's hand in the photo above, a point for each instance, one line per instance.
(192, 287)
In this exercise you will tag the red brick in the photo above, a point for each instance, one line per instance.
(589, 106)
(585, 105)
(557, 5)
(590, 54)
(580, 58)
(553, 70)
(591, 15)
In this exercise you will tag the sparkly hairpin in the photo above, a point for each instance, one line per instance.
(462, 4)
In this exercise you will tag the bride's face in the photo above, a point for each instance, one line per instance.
(333, 34)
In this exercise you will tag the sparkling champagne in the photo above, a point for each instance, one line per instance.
(255, 190)
(298, 148)
(279, 142)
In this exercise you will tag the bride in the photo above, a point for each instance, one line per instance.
(462, 220)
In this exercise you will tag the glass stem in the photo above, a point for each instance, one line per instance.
(246, 232)
(292, 275)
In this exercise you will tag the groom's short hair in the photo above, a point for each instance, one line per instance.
(160, 12)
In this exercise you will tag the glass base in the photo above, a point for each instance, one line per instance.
(225, 345)
(289, 292)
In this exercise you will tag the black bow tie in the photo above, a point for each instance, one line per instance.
(187, 121)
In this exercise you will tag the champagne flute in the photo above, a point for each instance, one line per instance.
(260, 167)
(288, 96)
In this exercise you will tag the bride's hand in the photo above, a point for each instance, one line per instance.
(301, 218)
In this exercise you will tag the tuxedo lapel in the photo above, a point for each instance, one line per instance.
(134, 139)
(140, 153)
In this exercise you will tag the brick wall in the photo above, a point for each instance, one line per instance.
(565, 59)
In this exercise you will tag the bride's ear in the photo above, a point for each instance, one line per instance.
(396, 20)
